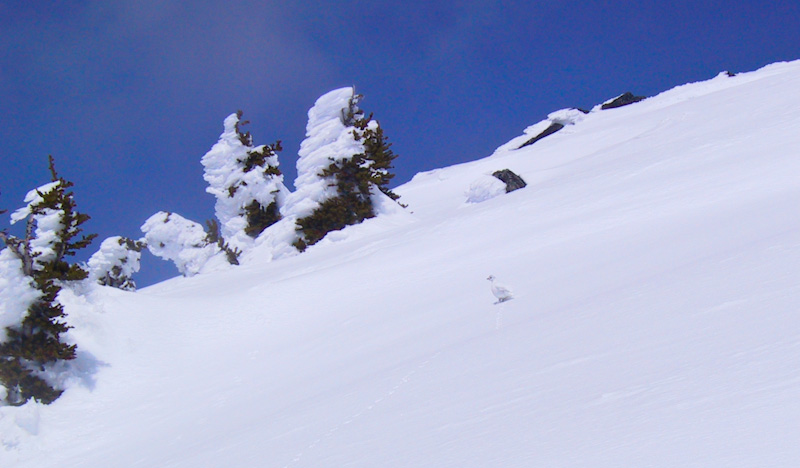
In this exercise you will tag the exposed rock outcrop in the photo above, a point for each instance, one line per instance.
(623, 100)
(512, 180)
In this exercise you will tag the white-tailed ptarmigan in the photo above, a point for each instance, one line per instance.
(502, 293)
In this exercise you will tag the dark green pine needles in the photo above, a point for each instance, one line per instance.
(35, 343)
(354, 178)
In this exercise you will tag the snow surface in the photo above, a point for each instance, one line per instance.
(566, 116)
(485, 188)
(654, 255)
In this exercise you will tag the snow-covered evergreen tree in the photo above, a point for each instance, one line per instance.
(246, 182)
(170, 236)
(343, 169)
(116, 262)
(34, 269)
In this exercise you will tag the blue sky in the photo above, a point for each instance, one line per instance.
(128, 95)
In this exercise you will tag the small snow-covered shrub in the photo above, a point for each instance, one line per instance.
(172, 237)
(116, 262)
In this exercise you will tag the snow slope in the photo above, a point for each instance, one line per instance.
(654, 258)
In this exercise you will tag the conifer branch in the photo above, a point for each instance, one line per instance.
(35, 342)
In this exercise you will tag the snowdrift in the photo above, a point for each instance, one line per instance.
(654, 258)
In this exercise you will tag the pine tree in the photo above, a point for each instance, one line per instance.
(51, 235)
(377, 151)
(358, 168)
(246, 182)
(214, 238)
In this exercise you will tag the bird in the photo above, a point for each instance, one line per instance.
(502, 293)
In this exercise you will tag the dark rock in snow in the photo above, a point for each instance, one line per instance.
(512, 180)
(553, 128)
(624, 100)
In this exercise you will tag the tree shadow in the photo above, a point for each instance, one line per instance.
(82, 370)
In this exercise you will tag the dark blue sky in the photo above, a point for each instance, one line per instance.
(128, 95)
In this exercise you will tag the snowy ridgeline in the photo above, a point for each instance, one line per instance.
(653, 258)
(254, 209)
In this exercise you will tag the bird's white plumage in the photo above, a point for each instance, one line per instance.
(501, 292)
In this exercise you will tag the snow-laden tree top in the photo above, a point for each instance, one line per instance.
(328, 133)
(329, 137)
(220, 162)
(244, 179)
